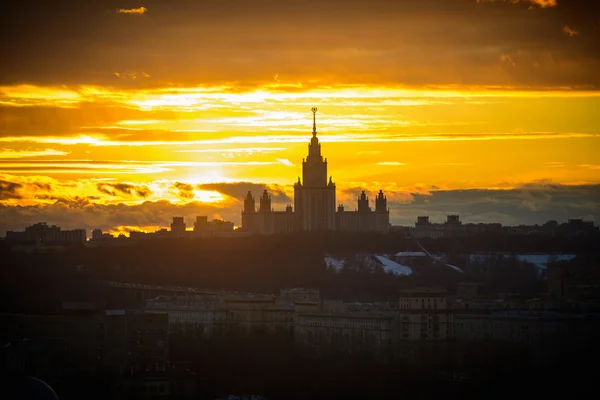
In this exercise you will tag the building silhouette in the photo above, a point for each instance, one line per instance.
(178, 227)
(314, 203)
(44, 233)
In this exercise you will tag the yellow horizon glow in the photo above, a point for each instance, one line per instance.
(401, 139)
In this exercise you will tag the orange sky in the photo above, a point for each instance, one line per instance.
(144, 110)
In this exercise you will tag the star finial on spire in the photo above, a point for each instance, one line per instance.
(314, 111)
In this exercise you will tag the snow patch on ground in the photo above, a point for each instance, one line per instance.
(411, 254)
(394, 267)
(335, 263)
(454, 267)
(539, 260)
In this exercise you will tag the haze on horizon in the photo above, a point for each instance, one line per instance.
(122, 114)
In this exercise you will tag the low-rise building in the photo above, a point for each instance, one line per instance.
(119, 341)
(43, 233)
(424, 315)
(200, 314)
(541, 332)
(348, 333)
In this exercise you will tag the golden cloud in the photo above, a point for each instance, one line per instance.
(545, 3)
(540, 3)
(8, 153)
(570, 31)
(131, 75)
(133, 11)
(391, 163)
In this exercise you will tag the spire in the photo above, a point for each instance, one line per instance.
(314, 111)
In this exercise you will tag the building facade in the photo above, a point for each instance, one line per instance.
(314, 204)
(44, 233)
(363, 219)
(125, 342)
(424, 315)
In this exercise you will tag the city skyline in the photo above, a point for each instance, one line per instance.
(435, 103)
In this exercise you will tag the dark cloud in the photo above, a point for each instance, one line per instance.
(238, 190)
(132, 11)
(570, 31)
(184, 190)
(82, 213)
(9, 190)
(530, 204)
(46, 120)
(533, 203)
(42, 186)
(127, 189)
(539, 3)
(408, 41)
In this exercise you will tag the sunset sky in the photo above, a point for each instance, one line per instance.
(122, 114)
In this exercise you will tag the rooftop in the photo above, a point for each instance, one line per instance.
(424, 290)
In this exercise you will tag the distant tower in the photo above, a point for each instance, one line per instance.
(422, 221)
(382, 213)
(265, 203)
(178, 227)
(363, 203)
(249, 212)
(249, 203)
(381, 203)
(201, 223)
(97, 234)
(453, 219)
(314, 196)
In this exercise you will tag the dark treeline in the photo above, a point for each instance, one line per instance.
(41, 280)
(270, 365)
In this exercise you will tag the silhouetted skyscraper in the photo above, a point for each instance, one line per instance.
(314, 197)
(314, 203)
(178, 227)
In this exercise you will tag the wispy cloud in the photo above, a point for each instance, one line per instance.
(391, 163)
(128, 189)
(82, 167)
(540, 3)
(570, 31)
(102, 141)
(126, 167)
(189, 99)
(132, 11)
(590, 166)
(131, 75)
(453, 164)
(6, 153)
(545, 3)
(30, 95)
(247, 150)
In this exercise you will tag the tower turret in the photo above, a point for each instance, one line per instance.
(249, 203)
(265, 202)
(314, 196)
(363, 203)
(380, 203)
(314, 168)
